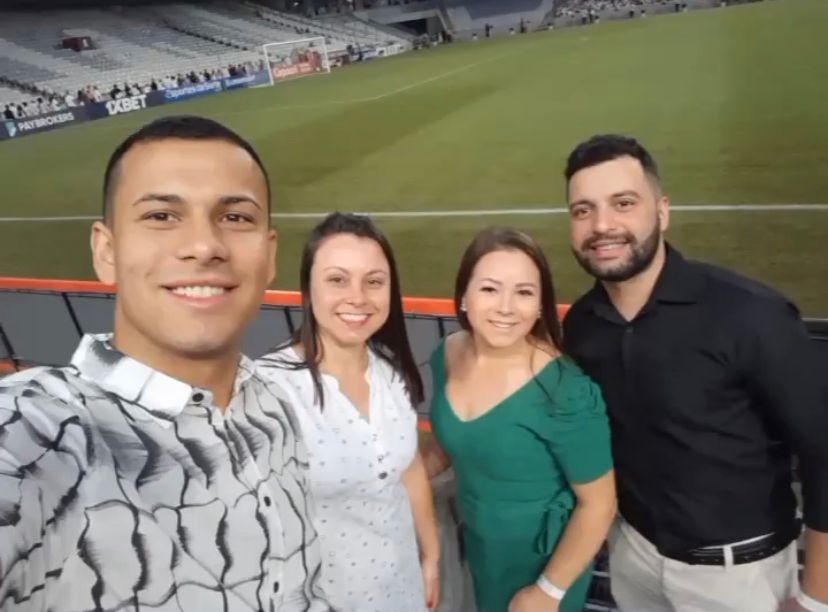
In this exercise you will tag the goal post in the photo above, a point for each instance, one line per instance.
(296, 58)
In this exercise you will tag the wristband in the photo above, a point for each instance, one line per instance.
(809, 603)
(545, 585)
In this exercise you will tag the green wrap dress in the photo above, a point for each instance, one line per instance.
(514, 467)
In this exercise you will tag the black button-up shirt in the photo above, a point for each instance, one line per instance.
(710, 390)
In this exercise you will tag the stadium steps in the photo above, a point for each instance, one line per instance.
(200, 33)
(473, 16)
(397, 35)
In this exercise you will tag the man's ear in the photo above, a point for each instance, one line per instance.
(664, 212)
(103, 252)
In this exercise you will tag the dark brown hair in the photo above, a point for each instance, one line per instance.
(390, 341)
(179, 127)
(607, 147)
(548, 327)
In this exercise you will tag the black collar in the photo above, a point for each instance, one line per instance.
(680, 282)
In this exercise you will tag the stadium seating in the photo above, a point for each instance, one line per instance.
(135, 44)
(473, 15)
(571, 12)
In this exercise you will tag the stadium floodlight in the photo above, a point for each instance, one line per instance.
(295, 58)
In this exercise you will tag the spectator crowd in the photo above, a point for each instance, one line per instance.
(48, 102)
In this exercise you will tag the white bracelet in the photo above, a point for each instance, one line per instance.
(545, 585)
(810, 604)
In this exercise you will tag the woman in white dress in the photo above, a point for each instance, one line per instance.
(350, 368)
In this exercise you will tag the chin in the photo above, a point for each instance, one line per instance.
(202, 345)
(348, 336)
(349, 340)
(503, 341)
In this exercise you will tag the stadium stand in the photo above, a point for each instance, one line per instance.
(472, 16)
(133, 45)
(581, 12)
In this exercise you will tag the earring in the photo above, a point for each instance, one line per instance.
(463, 306)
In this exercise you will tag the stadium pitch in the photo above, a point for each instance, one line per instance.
(731, 102)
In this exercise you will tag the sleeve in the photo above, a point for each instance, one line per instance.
(576, 429)
(42, 460)
(782, 369)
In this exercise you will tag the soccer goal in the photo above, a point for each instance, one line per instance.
(295, 58)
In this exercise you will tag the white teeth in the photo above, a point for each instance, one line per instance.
(608, 245)
(199, 291)
(502, 325)
(353, 318)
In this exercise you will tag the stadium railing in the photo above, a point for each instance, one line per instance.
(42, 321)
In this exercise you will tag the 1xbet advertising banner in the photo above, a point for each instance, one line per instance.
(121, 106)
(16, 128)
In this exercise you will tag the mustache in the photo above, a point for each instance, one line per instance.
(595, 238)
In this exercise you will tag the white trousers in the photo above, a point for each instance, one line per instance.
(643, 580)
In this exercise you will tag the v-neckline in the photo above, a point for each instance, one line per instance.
(495, 406)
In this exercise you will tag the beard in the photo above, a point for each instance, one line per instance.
(642, 254)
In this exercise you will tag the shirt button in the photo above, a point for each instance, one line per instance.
(198, 397)
(266, 500)
(628, 329)
(275, 587)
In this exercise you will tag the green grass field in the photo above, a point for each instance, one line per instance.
(732, 102)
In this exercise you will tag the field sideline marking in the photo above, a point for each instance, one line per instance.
(491, 212)
(431, 79)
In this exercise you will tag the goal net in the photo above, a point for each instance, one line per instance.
(296, 58)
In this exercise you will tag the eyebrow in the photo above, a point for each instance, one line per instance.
(497, 282)
(171, 198)
(618, 194)
(338, 269)
(627, 192)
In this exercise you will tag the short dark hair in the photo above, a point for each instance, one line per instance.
(548, 326)
(607, 147)
(185, 127)
(390, 341)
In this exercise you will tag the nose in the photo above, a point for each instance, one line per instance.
(504, 305)
(203, 241)
(356, 294)
(603, 220)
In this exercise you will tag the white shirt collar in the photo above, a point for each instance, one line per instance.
(162, 396)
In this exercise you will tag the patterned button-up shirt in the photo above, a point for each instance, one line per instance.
(124, 489)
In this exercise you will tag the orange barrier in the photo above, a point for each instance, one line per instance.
(414, 305)
(438, 307)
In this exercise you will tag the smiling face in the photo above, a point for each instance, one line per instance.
(503, 298)
(617, 218)
(350, 289)
(189, 246)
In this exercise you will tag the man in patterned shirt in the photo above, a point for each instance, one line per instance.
(159, 471)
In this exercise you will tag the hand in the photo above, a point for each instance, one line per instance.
(431, 581)
(532, 599)
(791, 605)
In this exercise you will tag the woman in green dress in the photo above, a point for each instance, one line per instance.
(526, 432)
